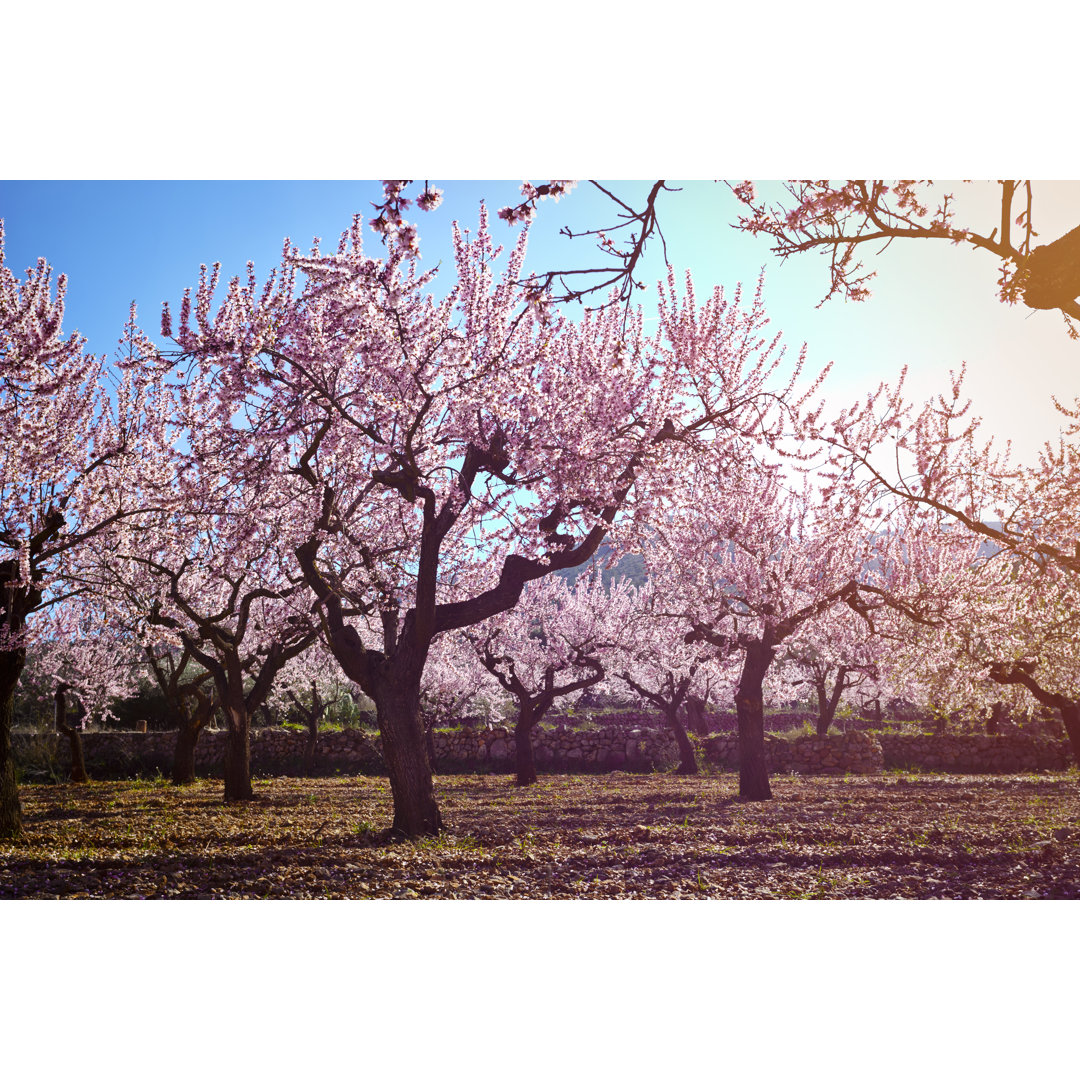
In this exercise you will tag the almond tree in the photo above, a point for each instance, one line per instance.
(432, 440)
(66, 448)
(945, 472)
(204, 571)
(190, 701)
(90, 663)
(657, 662)
(218, 592)
(429, 439)
(308, 685)
(555, 643)
(834, 654)
(1017, 640)
(753, 564)
(839, 217)
(454, 681)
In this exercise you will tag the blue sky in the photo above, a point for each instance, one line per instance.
(933, 306)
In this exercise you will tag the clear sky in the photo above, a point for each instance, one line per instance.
(934, 305)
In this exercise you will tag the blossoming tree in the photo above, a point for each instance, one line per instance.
(657, 662)
(946, 472)
(555, 643)
(202, 570)
(429, 438)
(756, 562)
(88, 661)
(66, 447)
(835, 655)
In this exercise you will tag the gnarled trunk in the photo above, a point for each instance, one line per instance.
(11, 665)
(183, 770)
(397, 705)
(824, 717)
(524, 758)
(750, 714)
(828, 703)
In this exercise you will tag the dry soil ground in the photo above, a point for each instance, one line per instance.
(616, 835)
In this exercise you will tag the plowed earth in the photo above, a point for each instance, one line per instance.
(609, 836)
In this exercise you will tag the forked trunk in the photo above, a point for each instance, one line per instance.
(11, 664)
(828, 703)
(688, 765)
(750, 714)
(397, 704)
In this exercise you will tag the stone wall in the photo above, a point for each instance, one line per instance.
(975, 753)
(633, 749)
(811, 755)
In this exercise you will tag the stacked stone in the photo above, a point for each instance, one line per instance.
(608, 748)
(832, 755)
(975, 753)
(639, 748)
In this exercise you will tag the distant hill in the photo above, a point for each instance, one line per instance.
(629, 566)
(633, 566)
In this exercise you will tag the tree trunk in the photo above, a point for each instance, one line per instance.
(237, 752)
(11, 665)
(1070, 717)
(397, 705)
(187, 736)
(688, 765)
(312, 739)
(695, 715)
(750, 714)
(1054, 272)
(828, 703)
(823, 716)
(429, 740)
(78, 762)
(524, 760)
(183, 770)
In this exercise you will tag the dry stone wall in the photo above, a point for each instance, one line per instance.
(812, 755)
(975, 753)
(633, 749)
